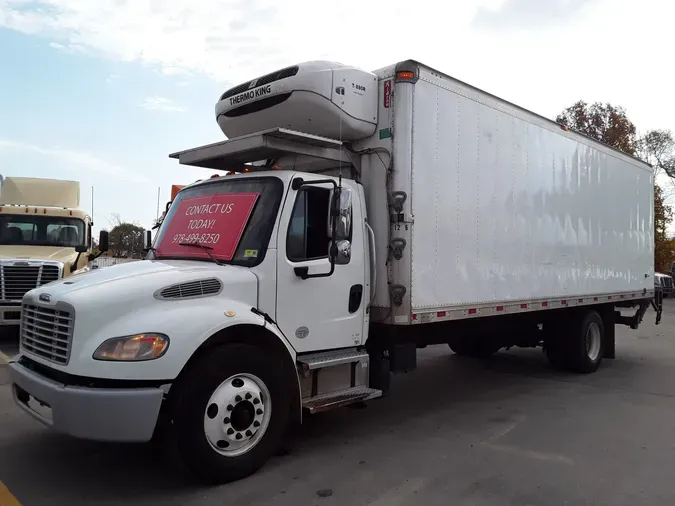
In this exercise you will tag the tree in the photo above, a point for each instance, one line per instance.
(663, 248)
(610, 125)
(125, 239)
(603, 122)
(658, 148)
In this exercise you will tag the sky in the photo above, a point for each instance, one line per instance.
(101, 91)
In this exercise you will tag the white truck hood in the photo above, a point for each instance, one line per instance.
(138, 279)
(127, 299)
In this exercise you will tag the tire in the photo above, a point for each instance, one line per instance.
(587, 343)
(577, 344)
(230, 413)
(554, 347)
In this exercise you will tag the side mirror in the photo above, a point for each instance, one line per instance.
(147, 240)
(341, 212)
(103, 241)
(342, 252)
(81, 248)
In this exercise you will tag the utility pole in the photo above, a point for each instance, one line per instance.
(158, 190)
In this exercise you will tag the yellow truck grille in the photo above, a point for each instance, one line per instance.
(17, 279)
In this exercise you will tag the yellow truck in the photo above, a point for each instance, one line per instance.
(44, 236)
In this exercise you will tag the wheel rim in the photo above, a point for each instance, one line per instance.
(237, 415)
(593, 341)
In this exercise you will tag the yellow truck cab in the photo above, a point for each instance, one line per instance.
(44, 236)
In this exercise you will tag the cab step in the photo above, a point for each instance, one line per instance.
(331, 358)
(339, 399)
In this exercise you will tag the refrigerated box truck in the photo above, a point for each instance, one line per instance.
(362, 215)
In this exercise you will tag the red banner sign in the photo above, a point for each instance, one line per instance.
(216, 221)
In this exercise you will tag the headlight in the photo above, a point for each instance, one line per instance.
(134, 348)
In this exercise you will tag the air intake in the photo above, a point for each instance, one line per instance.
(190, 290)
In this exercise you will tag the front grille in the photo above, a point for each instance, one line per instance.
(47, 332)
(668, 282)
(16, 280)
(261, 81)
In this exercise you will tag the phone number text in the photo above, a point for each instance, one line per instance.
(196, 238)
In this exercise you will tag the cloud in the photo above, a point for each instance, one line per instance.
(529, 14)
(228, 40)
(542, 63)
(74, 160)
(161, 104)
(68, 48)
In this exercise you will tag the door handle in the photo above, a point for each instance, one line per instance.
(355, 296)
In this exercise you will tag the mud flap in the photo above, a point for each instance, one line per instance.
(657, 303)
(609, 323)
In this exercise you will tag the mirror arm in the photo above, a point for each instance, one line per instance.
(303, 272)
(73, 266)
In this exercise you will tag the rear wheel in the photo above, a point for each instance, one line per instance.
(230, 413)
(577, 344)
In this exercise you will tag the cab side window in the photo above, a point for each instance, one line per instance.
(308, 237)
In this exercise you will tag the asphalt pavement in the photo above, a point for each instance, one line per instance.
(505, 431)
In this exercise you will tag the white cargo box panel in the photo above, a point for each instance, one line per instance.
(322, 98)
(508, 206)
(40, 192)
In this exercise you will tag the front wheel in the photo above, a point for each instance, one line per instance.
(229, 413)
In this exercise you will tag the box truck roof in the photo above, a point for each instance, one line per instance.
(412, 65)
(40, 192)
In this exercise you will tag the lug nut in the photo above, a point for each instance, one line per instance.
(230, 431)
(259, 411)
(238, 436)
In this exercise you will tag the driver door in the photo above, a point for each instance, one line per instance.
(328, 312)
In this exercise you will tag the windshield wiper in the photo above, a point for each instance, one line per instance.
(203, 247)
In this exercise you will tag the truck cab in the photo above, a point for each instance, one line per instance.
(253, 274)
(276, 226)
(44, 236)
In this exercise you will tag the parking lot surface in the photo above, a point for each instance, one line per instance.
(504, 431)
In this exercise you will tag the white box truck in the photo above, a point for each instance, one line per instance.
(362, 215)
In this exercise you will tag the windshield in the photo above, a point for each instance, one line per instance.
(233, 218)
(36, 230)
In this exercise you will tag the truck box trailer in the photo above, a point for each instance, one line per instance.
(362, 215)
